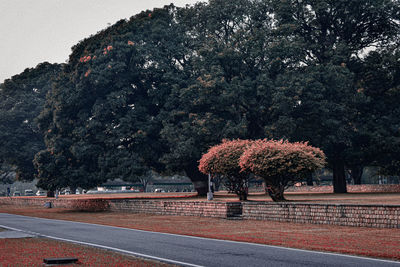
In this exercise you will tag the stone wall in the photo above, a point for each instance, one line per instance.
(378, 216)
(147, 206)
(170, 207)
(35, 202)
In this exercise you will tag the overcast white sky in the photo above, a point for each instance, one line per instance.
(34, 31)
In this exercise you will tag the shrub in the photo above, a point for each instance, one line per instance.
(223, 160)
(281, 163)
(90, 205)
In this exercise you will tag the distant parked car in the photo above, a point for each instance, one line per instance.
(65, 192)
(40, 193)
(159, 190)
(17, 194)
(29, 192)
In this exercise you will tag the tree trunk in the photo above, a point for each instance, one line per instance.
(72, 190)
(243, 191)
(339, 177)
(144, 182)
(217, 183)
(145, 187)
(276, 193)
(309, 180)
(199, 180)
(242, 196)
(356, 174)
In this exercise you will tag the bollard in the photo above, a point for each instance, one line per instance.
(210, 195)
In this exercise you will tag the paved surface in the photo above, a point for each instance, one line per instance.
(181, 250)
(14, 234)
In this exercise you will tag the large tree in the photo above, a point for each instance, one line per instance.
(379, 79)
(227, 94)
(184, 74)
(316, 104)
(22, 99)
(317, 100)
(101, 120)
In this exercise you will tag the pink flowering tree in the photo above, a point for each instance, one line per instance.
(281, 163)
(223, 160)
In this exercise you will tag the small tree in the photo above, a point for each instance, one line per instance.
(281, 163)
(223, 159)
(7, 173)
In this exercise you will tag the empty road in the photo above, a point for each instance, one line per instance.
(180, 250)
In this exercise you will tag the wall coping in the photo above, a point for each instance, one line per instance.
(318, 204)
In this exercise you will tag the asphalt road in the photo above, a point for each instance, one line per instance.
(181, 250)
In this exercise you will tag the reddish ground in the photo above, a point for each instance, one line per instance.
(382, 243)
(32, 251)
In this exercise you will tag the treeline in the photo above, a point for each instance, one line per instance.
(156, 91)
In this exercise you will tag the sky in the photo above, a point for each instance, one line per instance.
(34, 31)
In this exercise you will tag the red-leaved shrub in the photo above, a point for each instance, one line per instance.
(281, 163)
(223, 160)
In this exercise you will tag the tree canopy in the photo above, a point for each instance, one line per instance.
(101, 119)
(155, 92)
(320, 99)
(227, 94)
(22, 98)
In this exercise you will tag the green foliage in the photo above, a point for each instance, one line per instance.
(319, 98)
(51, 171)
(101, 118)
(316, 103)
(227, 92)
(379, 78)
(155, 91)
(22, 98)
(333, 31)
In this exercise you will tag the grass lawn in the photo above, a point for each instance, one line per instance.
(380, 243)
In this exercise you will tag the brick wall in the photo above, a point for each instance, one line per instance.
(170, 207)
(379, 216)
(362, 188)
